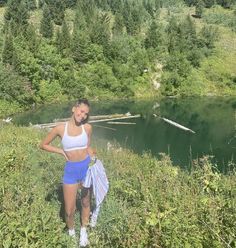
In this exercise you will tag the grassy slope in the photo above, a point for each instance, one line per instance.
(150, 202)
(216, 71)
(214, 77)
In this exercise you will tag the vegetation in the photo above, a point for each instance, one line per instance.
(65, 49)
(150, 203)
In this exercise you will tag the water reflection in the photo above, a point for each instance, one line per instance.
(213, 120)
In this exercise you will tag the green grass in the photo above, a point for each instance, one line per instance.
(150, 203)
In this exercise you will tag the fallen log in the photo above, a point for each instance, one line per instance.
(121, 123)
(97, 117)
(53, 124)
(112, 119)
(177, 125)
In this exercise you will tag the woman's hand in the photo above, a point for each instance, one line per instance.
(92, 152)
(64, 154)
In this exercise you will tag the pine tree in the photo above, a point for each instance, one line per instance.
(31, 4)
(79, 21)
(57, 9)
(199, 8)
(41, 3)
(154, 36)
(32, 38)
(46, 26)
(173, 35)
(17, 15)
(8, 50)
(118, 24)
(58, 13)
(3, 2)
(188, 33)
(70, 3)
(157, 4)
(80, 47)
(63, 39)
(209, 3)
(99, 31)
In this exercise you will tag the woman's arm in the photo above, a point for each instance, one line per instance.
(91, 151)
(46, 143)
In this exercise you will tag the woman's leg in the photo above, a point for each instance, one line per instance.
(70, 192)
(85, 202)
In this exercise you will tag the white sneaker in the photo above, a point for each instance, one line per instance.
(94, 217)
(83, 237)
(72, 233)
(93, 220)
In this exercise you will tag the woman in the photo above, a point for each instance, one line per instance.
(75, 138)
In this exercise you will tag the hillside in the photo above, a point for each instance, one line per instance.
(150, 202)
(52, 53)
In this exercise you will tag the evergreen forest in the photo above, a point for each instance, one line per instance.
(58, 50)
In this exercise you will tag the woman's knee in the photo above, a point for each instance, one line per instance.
(70, 213)
(85, 198)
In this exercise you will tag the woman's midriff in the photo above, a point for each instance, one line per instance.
(77, 155)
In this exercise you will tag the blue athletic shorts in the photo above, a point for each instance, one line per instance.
(75, 172)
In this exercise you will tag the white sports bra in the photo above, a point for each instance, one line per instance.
(77, 142)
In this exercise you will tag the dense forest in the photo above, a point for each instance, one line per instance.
(57, 50)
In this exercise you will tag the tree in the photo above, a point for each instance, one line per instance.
(80, 47)
(154, 37)
(17, 15)
(79, 20)
(209, 3)
(63, 39)
(208, 36)
(57, 9)
(14, 88)
(32, 39)
(118, 24)
(31, 4)
(3, 2)
(188, 36)
(8, 50)
(99, 30)
(70, 3)
(173, 35)
(199, 8)
(58, 13)
(46, 26)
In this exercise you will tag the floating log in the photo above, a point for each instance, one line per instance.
(112, 119)
(97, 117)
(177, 125)
(121, 117)
(121, 123)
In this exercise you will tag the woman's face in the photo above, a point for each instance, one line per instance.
(80, 112)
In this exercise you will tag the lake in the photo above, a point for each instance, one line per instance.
(213, 120)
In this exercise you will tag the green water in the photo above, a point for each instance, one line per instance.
(212, 119)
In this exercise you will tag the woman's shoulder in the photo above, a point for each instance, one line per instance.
(88, 127)
(60, 128)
